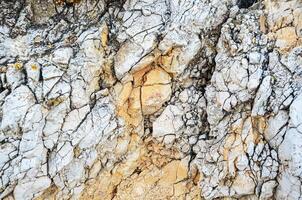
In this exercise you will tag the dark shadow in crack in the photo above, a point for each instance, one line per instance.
(246, 3)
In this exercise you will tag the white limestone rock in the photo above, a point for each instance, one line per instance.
(169, 122)
(227, 98)
(15, 107)
(29, 189)
(61, 56)
(262, 96)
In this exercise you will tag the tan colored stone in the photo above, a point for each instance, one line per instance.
(104, 36)
(169, 173)
(49, 194)
(262, 22)
(124, 94)
(138, 77)
(260, 124)
(134, 106)
(279, 14)
(244, 133)
(180, 189)
(153, 97)
(146, 94)
(152, 177)
(137, 177)
(127, 168)
(286, 38)
(157, 76)
(147, 61)
(122, 146)
(129, 105)
(182, 170)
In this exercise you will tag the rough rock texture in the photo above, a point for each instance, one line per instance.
(155, 99)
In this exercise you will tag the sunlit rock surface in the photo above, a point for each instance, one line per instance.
(155, 99)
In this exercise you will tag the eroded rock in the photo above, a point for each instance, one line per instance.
(150, 99)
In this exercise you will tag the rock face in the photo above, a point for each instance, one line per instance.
(156, 99)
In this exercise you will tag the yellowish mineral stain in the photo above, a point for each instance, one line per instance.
(104, 36)
(148, 169)
(145, 93)
(34, 67)
(153, 97)
(49, 194)
(150, 172)
(262, 22)
(18, 65)
(284, 24)
(54, 102)
(286, 38)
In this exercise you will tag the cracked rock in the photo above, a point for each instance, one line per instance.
(133, 99)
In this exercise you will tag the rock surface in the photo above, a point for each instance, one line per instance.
(157, 99)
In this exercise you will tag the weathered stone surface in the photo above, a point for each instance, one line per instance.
(169, 122)
(150, 99)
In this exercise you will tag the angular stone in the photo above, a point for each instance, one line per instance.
(286, 38)
(62, 56)
(153, 97)
(150, 99)
(29, 189)
(169, 122)
(157, 76)
(262, 96)
(155, 91)
(15, 107)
